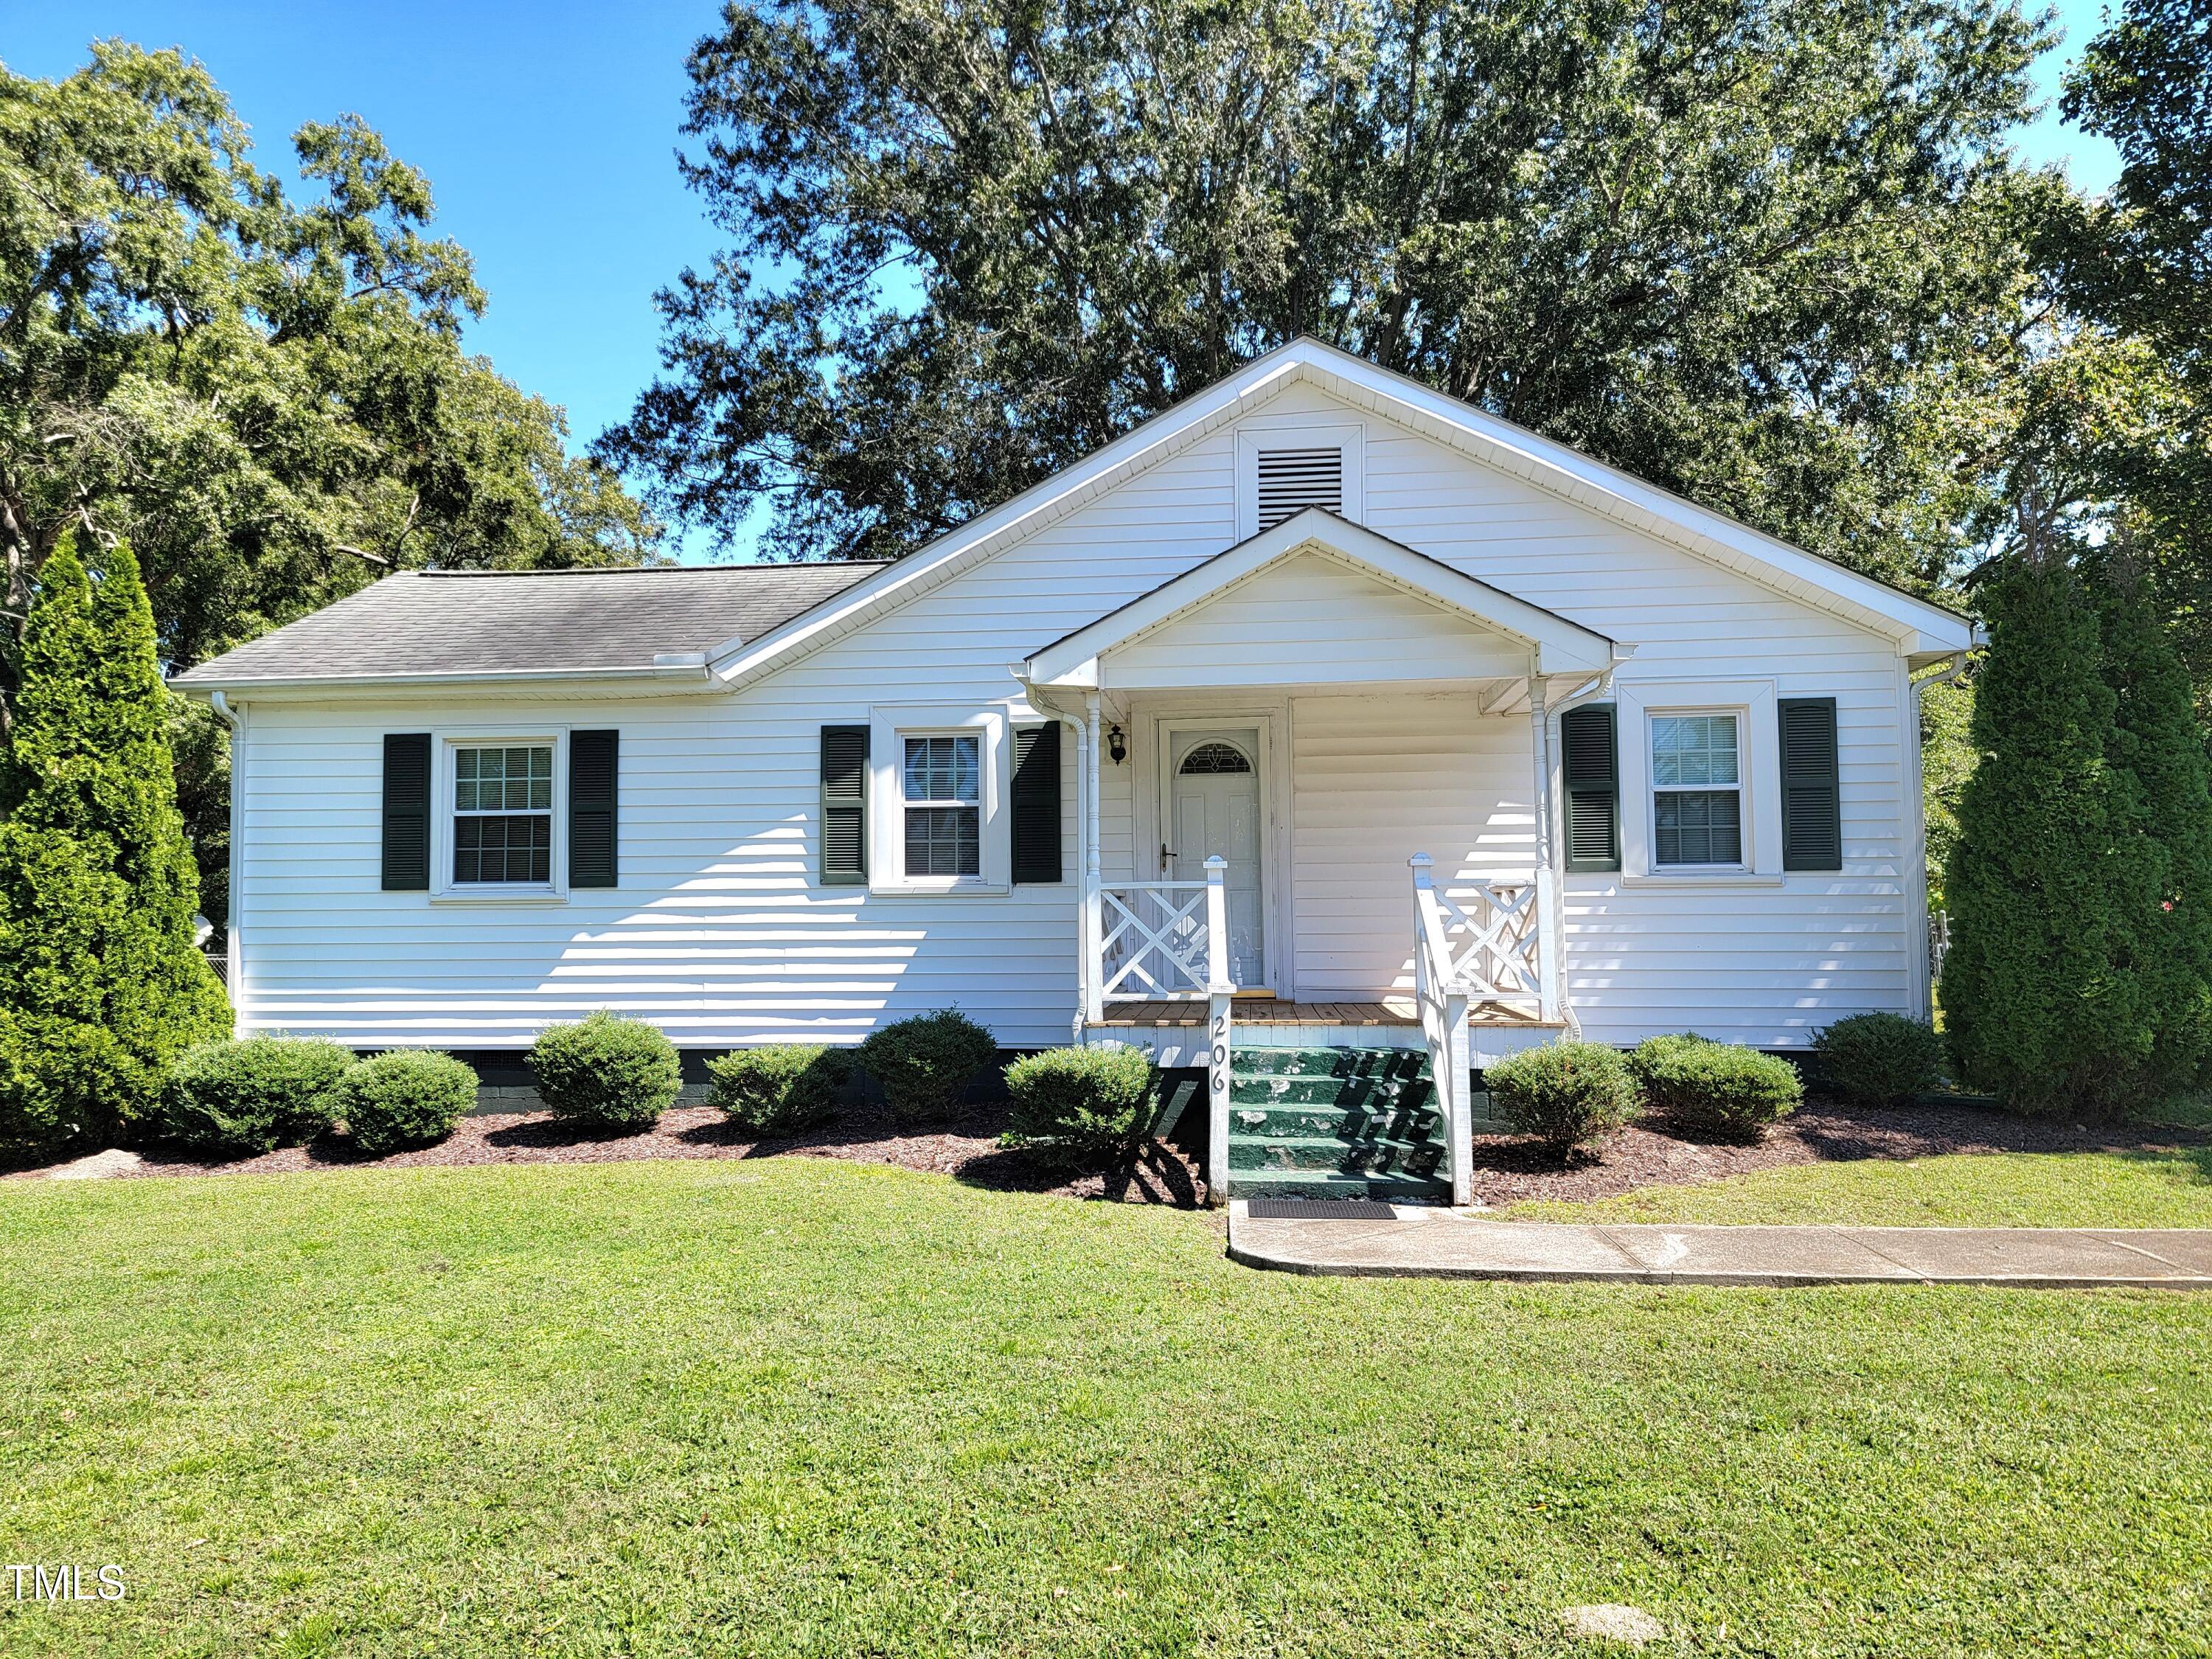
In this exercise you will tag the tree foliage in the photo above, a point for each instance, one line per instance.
(2157, 740)
(2052, 879)
(101, 984)
(1767, 253)
(2136, 268)
(266, 396)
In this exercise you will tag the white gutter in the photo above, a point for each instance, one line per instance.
(669, 666)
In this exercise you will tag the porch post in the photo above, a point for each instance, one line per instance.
(1082, 733)
(1547, 890)
(1219, 993)
(1094, 983)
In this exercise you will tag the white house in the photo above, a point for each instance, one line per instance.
(1482, 740)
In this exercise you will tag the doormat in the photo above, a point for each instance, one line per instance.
(1318, 1209)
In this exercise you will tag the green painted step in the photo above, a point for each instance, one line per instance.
(1335, 1122)
(1413, 1158)
(1360, 1123)
(1268, 1089)
(1388, 1189)
(1402, 1063)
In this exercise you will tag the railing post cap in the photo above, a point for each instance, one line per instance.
(1420, 861)
(1214, 861)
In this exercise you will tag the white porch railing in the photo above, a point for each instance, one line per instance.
(1154, 939)
(1170, 938)
(1492, 943)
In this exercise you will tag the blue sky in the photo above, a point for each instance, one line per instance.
(548, 132)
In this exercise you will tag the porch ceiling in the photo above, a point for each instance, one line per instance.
(1317, 599)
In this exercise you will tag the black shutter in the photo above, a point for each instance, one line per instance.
(844, 805)
(1590, 779)
(595, 785)
(406, 812)
(1811, 799)
(1036, 803)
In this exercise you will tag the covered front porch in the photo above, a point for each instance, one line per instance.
(1314, 794)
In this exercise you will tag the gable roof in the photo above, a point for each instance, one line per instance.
(1561, 646)
(1921, 629)
(433, 626)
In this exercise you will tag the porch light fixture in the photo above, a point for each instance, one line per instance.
(1114, 746)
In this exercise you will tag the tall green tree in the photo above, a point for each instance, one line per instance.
(267, 397)
(2050, 879)
(101, 983)
(2158, 740)
(1771, 253)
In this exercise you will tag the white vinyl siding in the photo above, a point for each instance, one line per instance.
(722, 933)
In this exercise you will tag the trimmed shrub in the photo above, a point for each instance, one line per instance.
(245, 1099)
(1564, 1094)
(609, 1071)
(779, 1088)
(404, 1097)
(1082, 1107)
(1878, 1060)
(924, 1063)
(101, 985)
(1720, 1089)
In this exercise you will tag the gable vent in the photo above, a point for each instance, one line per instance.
(1292, 480)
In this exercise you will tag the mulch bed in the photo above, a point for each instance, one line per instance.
(1510, 1171)
(966, 1148)
(1506, 1171)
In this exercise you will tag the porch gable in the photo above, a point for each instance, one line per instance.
(1317, 600)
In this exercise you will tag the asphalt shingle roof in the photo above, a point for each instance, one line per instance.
(485, 623)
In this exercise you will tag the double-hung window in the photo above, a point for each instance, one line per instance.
(942, 797)
(1696, 791)
(502, 814)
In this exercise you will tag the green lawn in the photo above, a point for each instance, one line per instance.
(2039, 1189)
(801, 1406)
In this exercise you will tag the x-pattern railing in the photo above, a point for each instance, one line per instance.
(1165, 957)
(1498, 957)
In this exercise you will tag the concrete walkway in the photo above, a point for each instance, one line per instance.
(1432, 1243)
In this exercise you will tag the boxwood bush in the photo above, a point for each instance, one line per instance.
(1879, 1059)
(243, 1098)
(1718, 1089)
(1082, 1107)
(1566, 1094)
(404, 1097)
(606, 1071)
(925, 1062)
(780, 1088)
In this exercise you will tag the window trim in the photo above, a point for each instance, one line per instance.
(890, 725)
(1758, 779)
(1297, 433)
(445, 746)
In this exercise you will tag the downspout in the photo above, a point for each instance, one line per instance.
(1918, 879)
(234, 935)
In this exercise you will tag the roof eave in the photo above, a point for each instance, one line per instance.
(687, 673)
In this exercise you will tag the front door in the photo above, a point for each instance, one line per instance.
(1213, 794)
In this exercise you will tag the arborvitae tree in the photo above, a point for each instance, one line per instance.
(101, 985)
(2156, 738)
(2040, 996)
